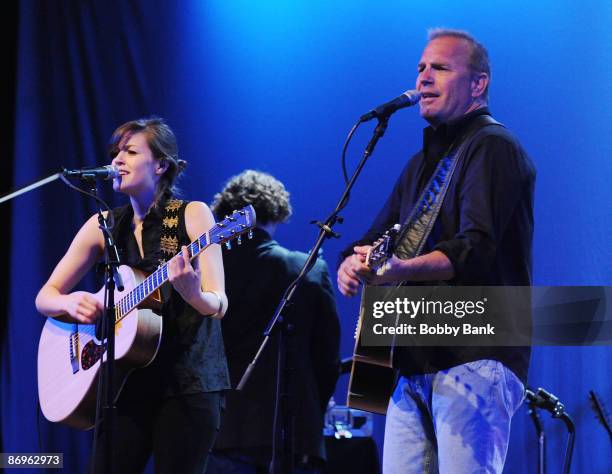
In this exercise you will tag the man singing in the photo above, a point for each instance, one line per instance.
(452, 406)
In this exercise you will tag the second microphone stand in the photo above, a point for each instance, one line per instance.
(547, 401)
(283, 458)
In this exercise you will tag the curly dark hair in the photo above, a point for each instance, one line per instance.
(162, 142)
(263, 191)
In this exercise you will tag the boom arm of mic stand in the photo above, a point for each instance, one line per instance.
(29, 187)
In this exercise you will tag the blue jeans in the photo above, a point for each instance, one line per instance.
(453, 421)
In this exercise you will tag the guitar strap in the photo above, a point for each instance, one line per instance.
(415, 231)
(169, 242)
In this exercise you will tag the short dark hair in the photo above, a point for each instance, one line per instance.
(479, 56)
(162, 143)
(263, 191)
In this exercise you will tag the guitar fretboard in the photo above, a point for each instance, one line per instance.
(156, 279)
(231, 227)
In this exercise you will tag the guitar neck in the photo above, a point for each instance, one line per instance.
(156, 279)
(600, 412)
(231, 227)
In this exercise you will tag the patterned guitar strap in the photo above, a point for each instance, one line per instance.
(169, 242)
(415, 231)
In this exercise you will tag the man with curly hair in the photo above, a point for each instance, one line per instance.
(257, 274)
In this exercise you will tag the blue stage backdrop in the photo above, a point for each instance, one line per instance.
(275, 86)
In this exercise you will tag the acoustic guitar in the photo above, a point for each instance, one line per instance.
(70, 355)
(372, 376)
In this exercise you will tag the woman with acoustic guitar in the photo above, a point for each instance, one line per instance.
(171, 407)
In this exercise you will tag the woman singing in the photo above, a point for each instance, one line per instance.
(170, 408)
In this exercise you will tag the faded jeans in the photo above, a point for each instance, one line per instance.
(453, 421)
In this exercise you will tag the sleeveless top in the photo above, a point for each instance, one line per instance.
(191, 357)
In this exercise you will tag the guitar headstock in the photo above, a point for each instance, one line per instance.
(600, 411)
(233, 226)
(382, 249)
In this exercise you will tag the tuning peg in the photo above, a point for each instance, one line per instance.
(250, 234)
(239, 240)
(228, 245)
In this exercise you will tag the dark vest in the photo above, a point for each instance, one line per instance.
(191, 357)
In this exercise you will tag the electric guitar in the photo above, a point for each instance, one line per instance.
(70, 355)
(372, 374)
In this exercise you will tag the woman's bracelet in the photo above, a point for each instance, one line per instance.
(220, 303)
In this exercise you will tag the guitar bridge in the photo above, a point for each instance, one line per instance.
(74, 349)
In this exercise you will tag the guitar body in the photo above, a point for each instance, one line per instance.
(70, 356)
(372, 374)
(372, 377)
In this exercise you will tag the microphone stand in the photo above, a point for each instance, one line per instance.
(282, 462)
(105, 331)
(547, 401)
(569, 424)
(557, 409)
(537, 421)
(106, 326)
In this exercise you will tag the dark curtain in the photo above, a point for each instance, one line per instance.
(9, 50)
(82, 68)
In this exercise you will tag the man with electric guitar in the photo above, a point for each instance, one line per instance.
(171, 405)
(451, 407)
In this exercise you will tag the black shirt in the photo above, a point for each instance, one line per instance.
(485, 225)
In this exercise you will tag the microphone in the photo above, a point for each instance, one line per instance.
(102, 172)
(534, 398)
(546, 400)
(407, 99)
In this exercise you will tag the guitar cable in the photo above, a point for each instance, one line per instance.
(110, 216)
(344, 148)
